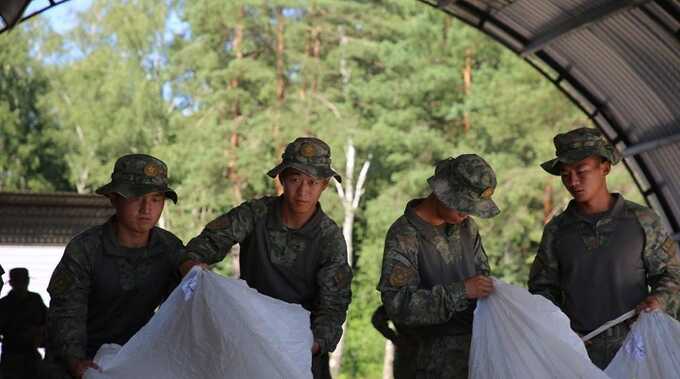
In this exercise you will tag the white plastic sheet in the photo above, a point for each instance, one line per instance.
(214, 327)
(520, 336)
(651, 349)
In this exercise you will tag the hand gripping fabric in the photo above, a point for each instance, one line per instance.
(651, 350)
(517, 335)
(214, 327)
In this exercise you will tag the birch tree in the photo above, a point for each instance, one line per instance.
(350, 195)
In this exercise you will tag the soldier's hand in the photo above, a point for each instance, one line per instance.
(316, 348)
(649, 304)
(77, 367)
(185, 267)
(477, 287)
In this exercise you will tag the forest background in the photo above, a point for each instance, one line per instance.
(218, 88)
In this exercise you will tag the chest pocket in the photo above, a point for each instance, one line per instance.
(286, 248)
(449, 245)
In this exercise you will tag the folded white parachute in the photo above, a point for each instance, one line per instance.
(214, 327)
(651, 349)
(519, 335)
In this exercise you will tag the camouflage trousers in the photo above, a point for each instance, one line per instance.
(443, 357)
(603, 347)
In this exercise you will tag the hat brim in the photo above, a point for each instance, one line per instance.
(136, 190)
(463, 202)
(317, 172)
(553, 166)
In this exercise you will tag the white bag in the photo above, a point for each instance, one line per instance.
(214, 327)
(650, 351)
(519, 335)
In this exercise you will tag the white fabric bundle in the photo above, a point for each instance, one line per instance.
(517, 335)
(651, 349)
(214, 327)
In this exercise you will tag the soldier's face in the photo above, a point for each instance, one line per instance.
(301, 191)
(585, 179)
(139, 214)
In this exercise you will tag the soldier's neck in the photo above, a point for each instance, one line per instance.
(130, 238)
(598, 204)
(427, 211)
(294, 220)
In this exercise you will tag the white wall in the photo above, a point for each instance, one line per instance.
(40, 262)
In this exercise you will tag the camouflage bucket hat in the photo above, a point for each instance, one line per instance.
(579, 144)
(136, 175)
(466, 184)
(309, 155)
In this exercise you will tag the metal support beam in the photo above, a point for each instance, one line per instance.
(22, 18)
(578, 22)
(650, 145)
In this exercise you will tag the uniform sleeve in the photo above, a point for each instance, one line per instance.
(481, 259)
(334, 280)
(662, 263)
(405, 303)
(215, 241)
(69, 289)
(544, 273)
(177, 254)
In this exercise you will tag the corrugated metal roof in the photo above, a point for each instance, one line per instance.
(49, 219)
(618, 60)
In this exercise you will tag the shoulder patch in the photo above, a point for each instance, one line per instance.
(401, 275)
(60, 283)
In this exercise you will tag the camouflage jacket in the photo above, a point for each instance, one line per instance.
(306, 266)
(658, 259)
(415, 295)
(104, 293)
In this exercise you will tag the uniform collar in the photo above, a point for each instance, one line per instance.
(112, 247)
(614, 212)
(428, 230)
(275, 220)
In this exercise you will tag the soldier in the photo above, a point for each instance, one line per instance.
(599, 257)
(22, 326)
(112, 277)
(290, 249)
(434, 265)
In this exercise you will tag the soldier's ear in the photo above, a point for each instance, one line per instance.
(607, 167)
(113, 198)
(324, 184)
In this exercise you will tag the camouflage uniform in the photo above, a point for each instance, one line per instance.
(306, 266)
(102, 292)
(599, 267)
(425, 266)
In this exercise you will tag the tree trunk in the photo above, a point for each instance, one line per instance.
(234, 139)
(349, 196)
(547, 203)
(388, 360)
(316, 53)
(467, 84)
(280, 50)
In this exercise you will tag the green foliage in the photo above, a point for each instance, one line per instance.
(28, 160)
(219, 96)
